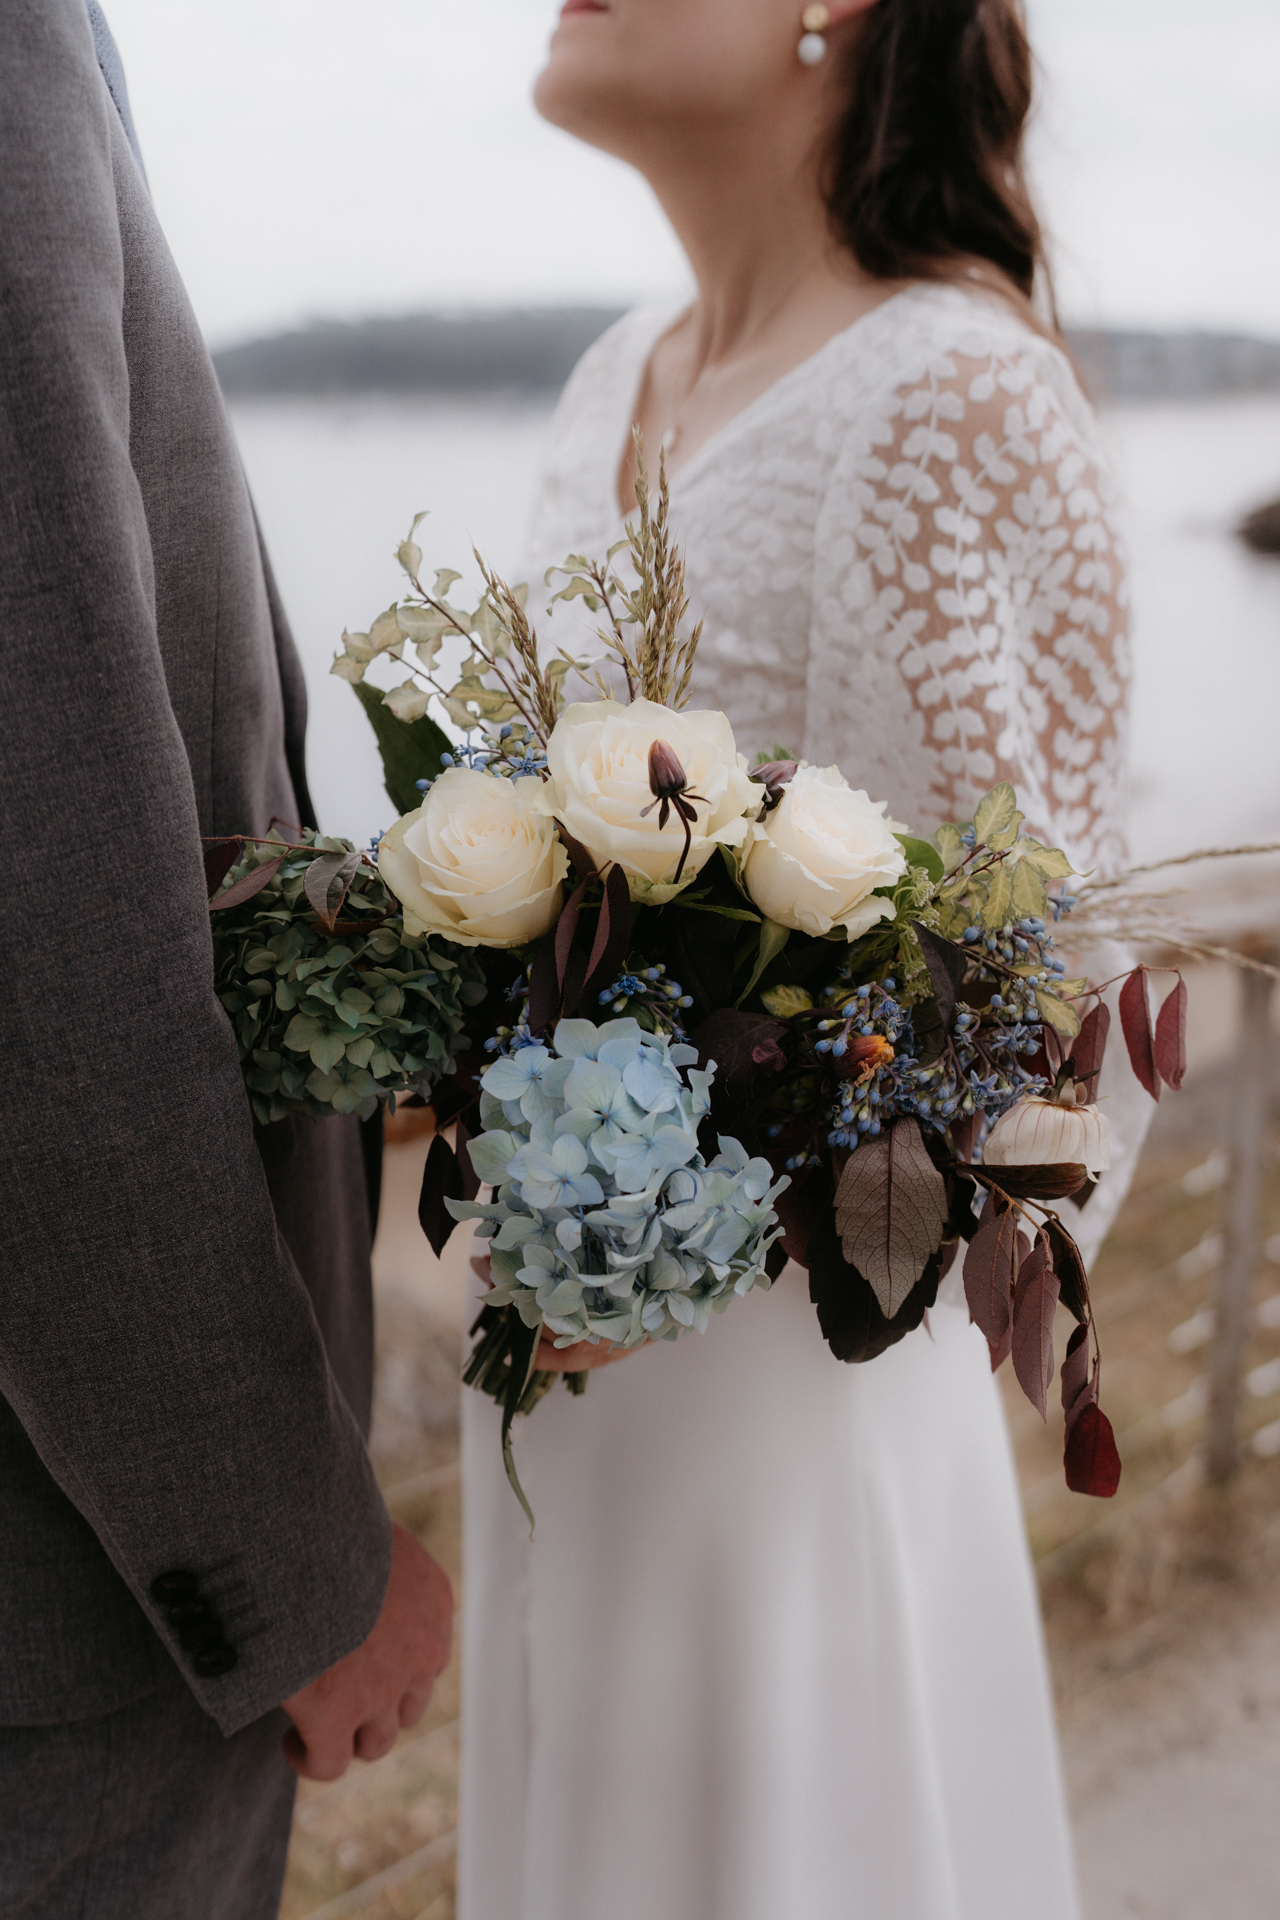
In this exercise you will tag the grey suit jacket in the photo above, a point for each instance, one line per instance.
(184, 1369)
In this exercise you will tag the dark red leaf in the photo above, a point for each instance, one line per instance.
(1135, 1020)
(245, 889)
(1069, 1266)
(544, 986)
(1091, 1459)
(1089, 1047)
(219, 858)
(1001, 1353)
(852, 1321)
(1035, 1303)
(566, 927)
(947, 964)
(441, 1181)
(1079, 1386)
(964, 1135)
(988, 1272)
(1171, 1037)
(327, 882)
(1037, 1183)
(581, 859)
(613, 937)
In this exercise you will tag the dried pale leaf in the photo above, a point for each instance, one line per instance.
(385, 635)
(409, 554)
(409, 701)
(347, 667)
(891, 1211)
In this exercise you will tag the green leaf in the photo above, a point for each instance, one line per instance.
(950, 845)
(726, 913)
(1050, 862)
(1030, 900)
(921, 854)
(327, 1051)
(1057, 1014)
(302, 1033)
(999, 903)
(994, 816)
(410, 750)
(773, 939)
(782, 1002)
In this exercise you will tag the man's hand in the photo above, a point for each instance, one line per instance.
(358, 1706)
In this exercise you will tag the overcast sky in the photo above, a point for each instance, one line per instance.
(343, 157)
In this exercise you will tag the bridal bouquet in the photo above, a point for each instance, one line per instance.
(717, 1016)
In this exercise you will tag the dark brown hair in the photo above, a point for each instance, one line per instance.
(924, 175)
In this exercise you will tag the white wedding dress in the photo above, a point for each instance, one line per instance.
(775, 1651)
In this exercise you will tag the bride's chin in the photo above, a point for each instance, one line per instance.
(569, 90)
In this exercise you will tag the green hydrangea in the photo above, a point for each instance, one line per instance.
(334, 1021)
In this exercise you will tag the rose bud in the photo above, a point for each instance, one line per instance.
(774, 776)
(666, 775)
(864, 1055)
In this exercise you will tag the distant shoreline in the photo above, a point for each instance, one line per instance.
(535, 349)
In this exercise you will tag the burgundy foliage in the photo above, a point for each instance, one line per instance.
(245, 889)
(989, 1268)
(1035, 1303)
(1135, 1021)
(1089, 1047)
(1092, 1459)
(219, 858)
(1170, 1047)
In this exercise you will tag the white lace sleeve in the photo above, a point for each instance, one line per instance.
(970, 610)
(970, 624)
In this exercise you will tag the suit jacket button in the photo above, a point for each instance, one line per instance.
(203, 1639)
(190, 1613)
(170, 1588)
(219, 1660)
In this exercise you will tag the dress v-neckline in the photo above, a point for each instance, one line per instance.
(663, 320)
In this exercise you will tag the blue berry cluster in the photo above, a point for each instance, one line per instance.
(514, 756)
(648, 987)
(508, 1040)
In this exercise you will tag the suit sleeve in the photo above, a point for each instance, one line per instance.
(155, 1338)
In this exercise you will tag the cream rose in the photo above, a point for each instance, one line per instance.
(476, 861)
(815, 861)
(598, 759)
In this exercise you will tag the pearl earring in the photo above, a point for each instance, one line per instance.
(813, 48)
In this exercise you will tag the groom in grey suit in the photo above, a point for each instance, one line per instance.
(199, 1581)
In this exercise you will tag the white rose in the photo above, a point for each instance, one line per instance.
(1049, 1133)
(815, 861)
(476, 861)
(598, 759)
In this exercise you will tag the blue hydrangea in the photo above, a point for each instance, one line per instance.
(607, 1223)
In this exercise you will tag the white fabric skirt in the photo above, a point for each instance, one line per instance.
(775, 1651)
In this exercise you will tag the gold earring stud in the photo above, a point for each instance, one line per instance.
(813, 47)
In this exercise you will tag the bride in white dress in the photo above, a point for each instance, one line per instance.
(775, 1652)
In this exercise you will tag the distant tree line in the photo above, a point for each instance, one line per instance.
(534, 350)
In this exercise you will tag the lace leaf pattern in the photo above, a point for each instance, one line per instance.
(906, 557)
(969, 591)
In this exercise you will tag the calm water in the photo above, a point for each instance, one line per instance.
(338, 481)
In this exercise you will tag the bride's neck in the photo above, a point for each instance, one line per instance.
(752, 222)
